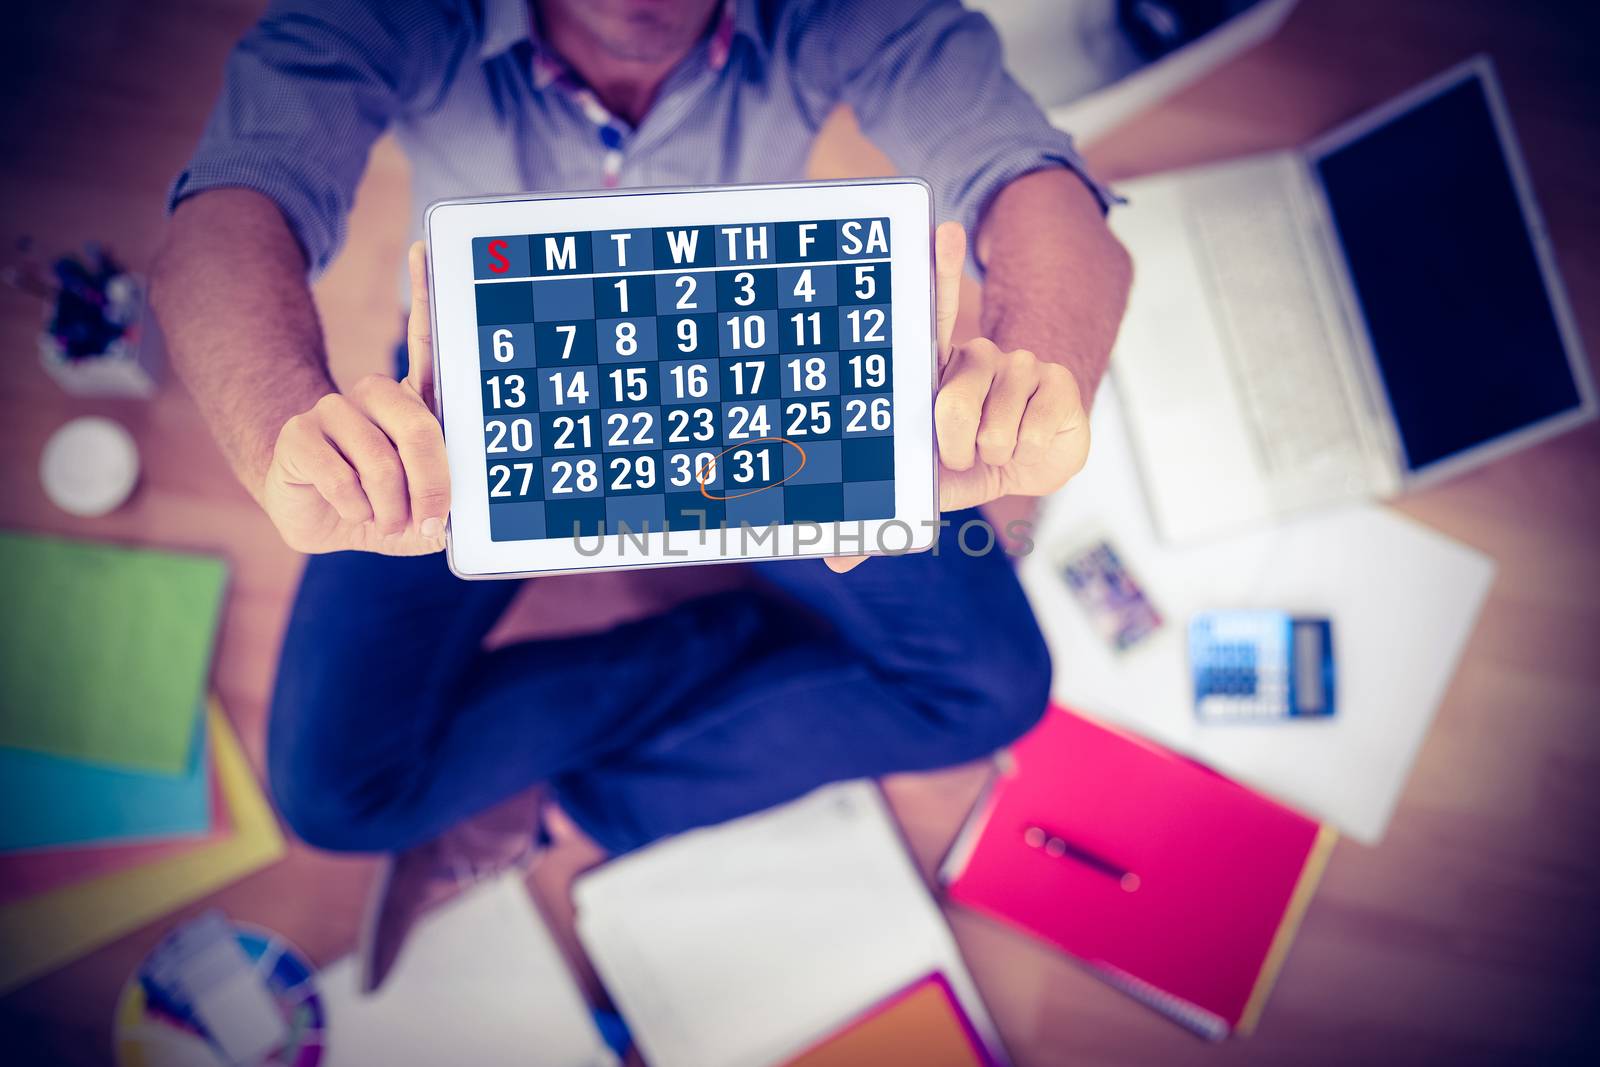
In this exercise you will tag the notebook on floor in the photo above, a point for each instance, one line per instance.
(742, 945)
(1178, 885)
(53, 803)
(107, 650)
(41, 870)
(922, 1025)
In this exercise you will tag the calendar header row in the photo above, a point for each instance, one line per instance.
(668, 248)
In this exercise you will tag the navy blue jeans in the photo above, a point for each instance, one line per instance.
(390, 722)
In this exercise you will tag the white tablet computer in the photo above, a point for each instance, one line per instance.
(644, 378)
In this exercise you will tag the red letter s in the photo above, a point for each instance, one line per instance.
(498, 263)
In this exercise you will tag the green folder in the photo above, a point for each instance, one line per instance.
(105, 652)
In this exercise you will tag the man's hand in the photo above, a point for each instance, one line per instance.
(1007, 422)
(365, 469)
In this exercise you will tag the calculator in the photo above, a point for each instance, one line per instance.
(1252, 665)
(662, 376)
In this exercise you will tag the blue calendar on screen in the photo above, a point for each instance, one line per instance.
(686, 378)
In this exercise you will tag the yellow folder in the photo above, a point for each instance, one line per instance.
(46, 931)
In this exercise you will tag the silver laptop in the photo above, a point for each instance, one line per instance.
(1371, 313)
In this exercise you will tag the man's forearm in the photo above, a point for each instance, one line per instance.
(230, 290)
(1057, 280)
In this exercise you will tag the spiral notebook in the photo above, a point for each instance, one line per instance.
(1176, 884)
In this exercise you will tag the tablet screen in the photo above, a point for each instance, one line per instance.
(686, 377)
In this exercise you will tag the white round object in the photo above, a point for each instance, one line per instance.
(89, 466)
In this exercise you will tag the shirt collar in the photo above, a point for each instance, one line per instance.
(507, 23)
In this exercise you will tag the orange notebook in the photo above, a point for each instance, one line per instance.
(1178, 885)
(920, 1025)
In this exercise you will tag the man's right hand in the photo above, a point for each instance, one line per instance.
(365, 469)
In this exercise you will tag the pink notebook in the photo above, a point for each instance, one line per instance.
(1176, 884)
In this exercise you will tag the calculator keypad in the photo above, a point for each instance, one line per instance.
(1241, 665)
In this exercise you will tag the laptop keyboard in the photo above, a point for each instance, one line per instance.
(1277, 339)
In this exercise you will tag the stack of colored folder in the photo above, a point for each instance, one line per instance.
(123, 791)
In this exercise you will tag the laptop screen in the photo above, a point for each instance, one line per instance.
(1463, 332)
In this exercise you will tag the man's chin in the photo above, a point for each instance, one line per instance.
(645, 37)
(643, 31)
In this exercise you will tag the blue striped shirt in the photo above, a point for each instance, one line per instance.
(481, 106)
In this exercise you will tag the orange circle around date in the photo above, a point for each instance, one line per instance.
(702, 475)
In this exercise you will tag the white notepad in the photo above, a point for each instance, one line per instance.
(1403, 600)
(480, 982)
(741, 944)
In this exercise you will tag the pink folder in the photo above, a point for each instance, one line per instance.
(1175, 883)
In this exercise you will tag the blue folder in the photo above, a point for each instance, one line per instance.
(48, 801)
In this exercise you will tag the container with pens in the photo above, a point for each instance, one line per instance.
(98, 338)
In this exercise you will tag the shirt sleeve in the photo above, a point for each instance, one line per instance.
(928, 85)
(304, 96)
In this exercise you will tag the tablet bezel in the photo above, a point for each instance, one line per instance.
(450, 226)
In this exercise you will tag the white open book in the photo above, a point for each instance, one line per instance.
(740, 945)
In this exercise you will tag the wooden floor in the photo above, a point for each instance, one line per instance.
(1471, 935)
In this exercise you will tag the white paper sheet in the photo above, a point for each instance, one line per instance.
(1403, 600)
(480, 982)
(741, 944)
